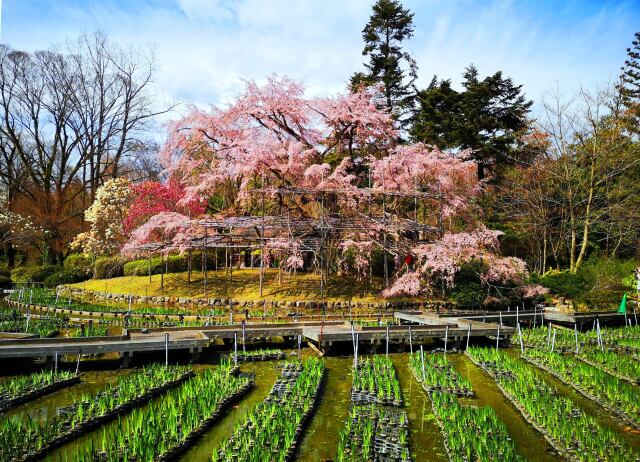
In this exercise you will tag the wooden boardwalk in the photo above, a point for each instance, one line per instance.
(416, 327)
(194, 339)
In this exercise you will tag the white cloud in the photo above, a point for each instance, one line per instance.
(205, 48)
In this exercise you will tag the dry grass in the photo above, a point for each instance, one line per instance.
(242, 285)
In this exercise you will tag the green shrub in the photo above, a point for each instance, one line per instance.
(78, 260)
(109, 267)
(599, 283)
(176, 263)
(24, 274)
(66, 276)
(564, 283)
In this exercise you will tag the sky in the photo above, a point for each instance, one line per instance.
(205, 49)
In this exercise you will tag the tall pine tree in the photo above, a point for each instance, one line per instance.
(629, 86)
(487, 117)
(389, 26)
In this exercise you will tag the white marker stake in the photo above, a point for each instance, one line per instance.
(78, 364)
(549, 335)
(357, 348)
(55, 366)
(575, 330)
(521, 342)
(410, 341)
(243, 329)
(517, 314)
(166, 349)
(446, 338)
(235, 347)
(387, 352)
(501, 318)
(498, 339)
(424, 375)
(468, 334)
(299, 344)
(553, 344)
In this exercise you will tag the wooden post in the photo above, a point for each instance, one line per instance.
(230, 311)
(55, 365)
(78, 363)
(299, 344)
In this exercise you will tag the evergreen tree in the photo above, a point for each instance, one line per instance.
(487, 117)
(629, 86)
(389, 26)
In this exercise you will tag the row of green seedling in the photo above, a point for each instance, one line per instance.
(564, 340)
(613, 361)
(168, 426)
(374, 432)
(435, 373)
(14, 321)
(377, 429)
(259, 355)
(614, 394)
(23, 438)
(575, 435)
(47, 298)
(24, 388)
(618, 364)
(470, 433)
(375, 382)
(271, 431)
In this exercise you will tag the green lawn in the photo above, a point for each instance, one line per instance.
(243, 285)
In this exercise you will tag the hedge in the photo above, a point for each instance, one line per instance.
(176, 264)
(109, 267)
(66, 276)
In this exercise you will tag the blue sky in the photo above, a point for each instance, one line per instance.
(204, 48)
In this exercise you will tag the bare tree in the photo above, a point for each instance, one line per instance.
(68, 119)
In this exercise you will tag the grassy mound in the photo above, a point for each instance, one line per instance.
(243, 284)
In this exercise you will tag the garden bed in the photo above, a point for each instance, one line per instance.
(583, 391)
(28, 388)
(27, 440)
(274, 427)
(566, 427)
